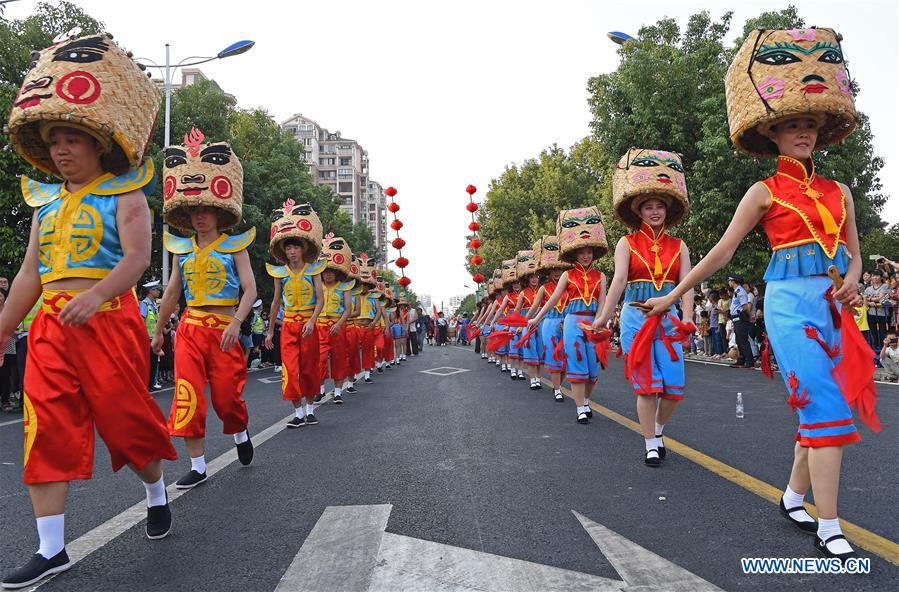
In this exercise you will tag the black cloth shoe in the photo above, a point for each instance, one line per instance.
(245, 451)
(582, 418)
(821, 547)
(338, 400)
(350, 389)
(652, 458)
(559, 397)
(589, 413)
(380, 370)
(804, 526)
(661, 449)
(310, 420)
(296, 422)
(190, 480)
(318, 397)
(159, 521)
(37, 567)
(367, 380)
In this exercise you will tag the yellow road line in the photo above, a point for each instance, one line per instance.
(880, 546)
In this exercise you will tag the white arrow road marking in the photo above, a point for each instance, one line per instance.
(349, 550)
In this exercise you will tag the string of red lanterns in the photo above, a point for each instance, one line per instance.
(475, 243)
(398, 243)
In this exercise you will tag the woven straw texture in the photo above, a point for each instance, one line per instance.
(368, 273)
(777, 74)
(547, 253)
(198, 174)
(581, 227)
(643, 174)
(527, 265)
(92, 83)
(338, 256)
(497, 282)
(293, 220)
(510, 272)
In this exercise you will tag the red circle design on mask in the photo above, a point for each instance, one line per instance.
(168, 189)
(354, 269)
(78, 87)
(221, 187)
(304, 225)
(338, 259)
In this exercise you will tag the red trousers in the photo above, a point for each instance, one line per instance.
(353, 347)
(299, 359)
(385, 352)
(84, 377)
(199, 359)
(368, 347)
(332, 347)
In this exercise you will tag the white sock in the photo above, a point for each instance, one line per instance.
(792, 499)
(51, 531)
(650, 443)
(310, 409)
(659, 428)
(587, 403)
(337, 391)
(582, 409)
(347, 384)
(156, 493)
(557, 391)
(299, 412)
(367, 374)
(241, 437)
(198, 463)
(829, 528)
(321, 390)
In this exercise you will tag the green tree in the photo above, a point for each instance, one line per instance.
(18, 38)
(468, 304)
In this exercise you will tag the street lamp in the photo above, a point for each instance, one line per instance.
(234, 49)
(619, 37)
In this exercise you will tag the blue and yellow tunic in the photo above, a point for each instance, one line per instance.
(78, 233)
(333, 307)
(297, 289)
(209, 274)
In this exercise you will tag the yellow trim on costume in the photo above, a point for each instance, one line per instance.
(299, 309)
(37, 194)
(649, 268)
(803, 242)
(29, 419)
(88, 273)
(178, 245)
(347, 285)
(208, 320)
(53, 301)
(277, 271)
(130, 181)
(297, 317)
(237, 242)
(316, 267)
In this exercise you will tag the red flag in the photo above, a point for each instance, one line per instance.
(855, 372)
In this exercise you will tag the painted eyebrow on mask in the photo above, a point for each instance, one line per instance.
(216, 149)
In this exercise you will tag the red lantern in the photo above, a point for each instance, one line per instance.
(390, 191)
(398, 243)
(474, 226)
(475, 243)
(402, 262)
(471, 207)
(404, 281)
(478, 277)
(393, 207)
(476, 259)
(471, 189)
(396, 224)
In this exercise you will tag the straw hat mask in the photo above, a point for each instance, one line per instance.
(527, 265)
(198, 174)
(337, 255)
(581, 228)
(293, 220)
(547, 253)
(778, 74)
(91, 84)
(643, 174)
(510, 272)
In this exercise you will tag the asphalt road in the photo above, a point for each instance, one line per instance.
(476, 461)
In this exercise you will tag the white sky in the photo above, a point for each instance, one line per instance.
(443, 95)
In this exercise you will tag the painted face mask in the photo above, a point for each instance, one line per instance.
(91, 84)
(198, 174)
(527, 265)
(510, 272)
(546, 252)
(778, 74)
(497, 281)
(581, 228)
(643, 174)
(338, 256)
(367, 272)
(293, 220)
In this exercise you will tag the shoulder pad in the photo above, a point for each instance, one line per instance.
(37, 194)
(316, 267)
(237, 242)
(357, 291)
(178, 244)
(143, 177)
(277, 271)
(347, 285)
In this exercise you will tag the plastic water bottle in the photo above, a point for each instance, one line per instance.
(739, 405)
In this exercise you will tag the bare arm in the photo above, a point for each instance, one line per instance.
(25, 290)
(347, 306)
(499, 309)
(133, 223)
(538, 298)
(319, 304)
(601, 300)
(561, 287)
(619, 281)
(248, 286)
(749, 213)
(689, 296)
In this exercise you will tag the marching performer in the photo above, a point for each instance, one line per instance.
(336, 287)
(788, 94)
(203, 193)
(369, 313)
(547, 254)
(531, 351)
(650, 196)
(89, 244)
(582, 240)
(507, 296)
(354, 329)
(296, 242)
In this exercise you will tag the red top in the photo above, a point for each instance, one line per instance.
(528, 295)
(549, 288)
(511, 301)
(805, 208)
(583, 284)
(645, 248)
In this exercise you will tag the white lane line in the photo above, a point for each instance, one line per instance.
(115, 526)
(6, 423)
